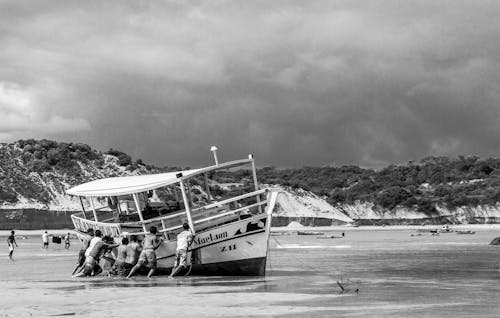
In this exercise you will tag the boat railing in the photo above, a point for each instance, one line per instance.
(82, 225)
(203, 217)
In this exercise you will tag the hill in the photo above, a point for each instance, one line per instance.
(35, 173)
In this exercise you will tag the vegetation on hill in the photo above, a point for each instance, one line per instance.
(449, 182)
(39, 169)
(27, 167)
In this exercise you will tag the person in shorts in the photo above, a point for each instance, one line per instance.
(67, 242)
(147, 257)
(11, 241)
(91, 267)
(45, 240)
(133, 252)
(119, 266)
(81, 253)
(184, 240)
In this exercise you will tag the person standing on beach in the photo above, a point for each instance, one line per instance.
(148, 254)
(184, 239)
(45, 240)
(11, 240)
(67, 243)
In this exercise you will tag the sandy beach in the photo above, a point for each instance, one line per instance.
(396, 275)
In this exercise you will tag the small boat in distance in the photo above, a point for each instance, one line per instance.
(309, 233)
(231, 226)
(465, 232)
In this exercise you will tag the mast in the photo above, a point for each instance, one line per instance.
(138, 207)
(93, 208)
(256, 185)
(186, 204)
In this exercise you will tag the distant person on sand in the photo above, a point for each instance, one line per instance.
(11, 241)
(81, 253)
(45, 240)
(67, 241)
(148, 254)
(184, 239)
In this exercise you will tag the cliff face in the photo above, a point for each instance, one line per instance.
(368, 213)
(304, 206)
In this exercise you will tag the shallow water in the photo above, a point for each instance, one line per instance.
(395, 274)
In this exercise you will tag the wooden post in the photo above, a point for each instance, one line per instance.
(164, 226)
(138, 208)
(93, 209)
(207, 188)
(186, 206)
(83, 208)
(256, 185)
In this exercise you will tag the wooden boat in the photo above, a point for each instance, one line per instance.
(231, 233)
(465, 232)
(309, 233)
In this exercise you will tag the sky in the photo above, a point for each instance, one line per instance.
(295, 83)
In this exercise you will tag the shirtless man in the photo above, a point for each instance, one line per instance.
(133, 252)
(11, 240)
(148, 254)
(92, 267)
(119, 266)
(67, 240)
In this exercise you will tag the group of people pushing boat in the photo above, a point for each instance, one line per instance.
(131, 255)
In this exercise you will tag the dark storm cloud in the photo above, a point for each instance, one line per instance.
(296, 83)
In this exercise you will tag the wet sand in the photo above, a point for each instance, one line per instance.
(396, 275)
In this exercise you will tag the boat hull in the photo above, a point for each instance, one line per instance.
(238, 248)
(234, 249)
(242, 267)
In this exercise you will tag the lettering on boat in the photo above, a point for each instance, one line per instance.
(210, 238)
(228, 248)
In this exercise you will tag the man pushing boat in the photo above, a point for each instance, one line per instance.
(148, 255)
(184, 240)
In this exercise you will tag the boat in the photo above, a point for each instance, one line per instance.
(445, 229)
(309, 233)
(231, 229)
(328, 237)
(465, 232)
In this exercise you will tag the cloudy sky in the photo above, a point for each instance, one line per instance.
(294, 82)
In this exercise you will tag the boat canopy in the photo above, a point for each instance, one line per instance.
(110, 187)
(128, 185)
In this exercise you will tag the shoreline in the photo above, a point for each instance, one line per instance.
(285, 229)
(478, 227)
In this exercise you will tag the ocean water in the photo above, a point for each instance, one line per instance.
(385, 273)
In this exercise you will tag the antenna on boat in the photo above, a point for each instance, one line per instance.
(214, 151)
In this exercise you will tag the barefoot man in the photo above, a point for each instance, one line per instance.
(11, 240)
(148, 254)
(184, 239)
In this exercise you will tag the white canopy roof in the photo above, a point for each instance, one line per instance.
(127, 185)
